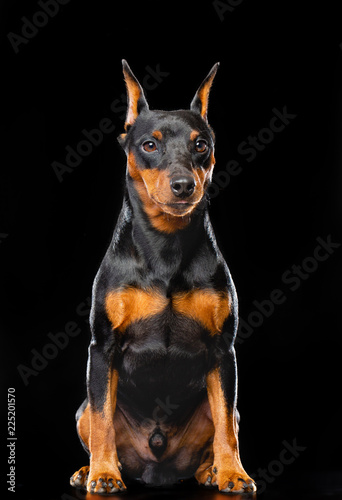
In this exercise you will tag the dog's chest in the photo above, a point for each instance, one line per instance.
(166, 334)
(163, 355)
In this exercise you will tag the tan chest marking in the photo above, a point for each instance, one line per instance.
(124, 306)
(208, 307)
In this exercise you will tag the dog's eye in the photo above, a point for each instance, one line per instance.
(149, 146)
(201, 146)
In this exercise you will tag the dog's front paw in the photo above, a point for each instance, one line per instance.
(227, 480)
(232, 480)
(105, 482)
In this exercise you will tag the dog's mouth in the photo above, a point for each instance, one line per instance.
(178, 208)
(179, 204)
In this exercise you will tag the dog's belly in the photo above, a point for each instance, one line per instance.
(163, 358)
(187, 443)
(162, 387)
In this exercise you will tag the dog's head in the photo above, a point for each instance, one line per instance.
(170, 154)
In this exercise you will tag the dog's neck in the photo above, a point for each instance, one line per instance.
(173, 248)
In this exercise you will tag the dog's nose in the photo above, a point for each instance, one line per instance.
(182, 186)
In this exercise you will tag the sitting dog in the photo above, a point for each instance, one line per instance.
(161, 376)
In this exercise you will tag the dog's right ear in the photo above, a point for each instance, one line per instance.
(135, 96)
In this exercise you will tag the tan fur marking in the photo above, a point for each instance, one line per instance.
(224, 421)
(204, 97)
(194, 134)
(206, 306)
(125, 306)
(134, 93)
(157, 135)
(203, 94)
(83, 426)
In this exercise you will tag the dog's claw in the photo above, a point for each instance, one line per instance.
(252, 486)
(208, 481)
(121, 486)
(229, 487)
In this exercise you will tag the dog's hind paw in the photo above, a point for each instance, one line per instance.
(79, 479)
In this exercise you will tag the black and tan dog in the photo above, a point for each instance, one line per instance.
(162, 370)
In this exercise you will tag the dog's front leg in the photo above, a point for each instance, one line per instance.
(104, 474)
(227, 471)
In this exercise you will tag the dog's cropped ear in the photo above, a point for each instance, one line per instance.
(135, 96)
(200, 101)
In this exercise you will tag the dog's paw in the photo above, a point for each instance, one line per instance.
(233, 481)
(105, 482)
(79, 479)
(205, 475)
(227, 480)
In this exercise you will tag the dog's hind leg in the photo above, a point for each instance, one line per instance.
(80, 477)
(204, 471)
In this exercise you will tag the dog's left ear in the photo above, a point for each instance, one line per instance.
(200, 101)
(135, 96)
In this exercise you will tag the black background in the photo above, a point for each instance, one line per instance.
(54, 234)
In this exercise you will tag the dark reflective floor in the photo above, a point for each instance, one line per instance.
(302, 486)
